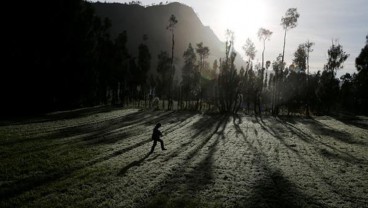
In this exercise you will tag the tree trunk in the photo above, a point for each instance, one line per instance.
(283, 49)
(264, 46)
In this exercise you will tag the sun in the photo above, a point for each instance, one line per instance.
(244, 17)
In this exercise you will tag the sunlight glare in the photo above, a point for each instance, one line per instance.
(243, 17)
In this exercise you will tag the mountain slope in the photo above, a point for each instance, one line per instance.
(153, 20)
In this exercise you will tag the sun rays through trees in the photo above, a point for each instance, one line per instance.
(88, 66)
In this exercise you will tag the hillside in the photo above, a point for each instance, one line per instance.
(152, 20)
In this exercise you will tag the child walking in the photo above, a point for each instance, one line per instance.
(156, 138)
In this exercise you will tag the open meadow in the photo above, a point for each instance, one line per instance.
(99, 157)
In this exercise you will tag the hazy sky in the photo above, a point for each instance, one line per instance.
(321, 21)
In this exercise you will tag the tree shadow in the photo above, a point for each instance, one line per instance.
(21, 186)
(335, 156)
(322, 129)
(308, 138)
(180, 119)
(321, 148)
(206, 123)
(125, 169)
(167, 114)
(104, 136)
(202, 173)
(273, 190)
(290, 126)
(198, 177)
(59, 115)
(276, 191)
(317, 128)
(357, 121)
(198, 125)
(96, 130)
(104, 125)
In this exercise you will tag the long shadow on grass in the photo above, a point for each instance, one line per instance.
(202, 173)
(89, 134)
(116, 134)
(200, 130)
(339, 154)
(27, 184)
(276, 191)
(104, 132)
(21, 186)
(318, 145)
(19, 120)
(356, 121)
(196, 179)
(101, 126)
(322, 129)
(273, 190)
(133, 164)
(179, 120)
(273, 129)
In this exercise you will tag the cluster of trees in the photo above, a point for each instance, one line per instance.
(140, 3)
(68, 60)
(354, 89)
(286, 89)
(63, 57)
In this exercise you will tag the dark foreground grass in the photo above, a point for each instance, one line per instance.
(100, 159)
(183, 201)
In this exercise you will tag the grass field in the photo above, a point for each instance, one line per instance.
(99, 158)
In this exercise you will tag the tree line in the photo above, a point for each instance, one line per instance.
(73, 62)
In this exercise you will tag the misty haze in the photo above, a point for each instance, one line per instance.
(149, 104)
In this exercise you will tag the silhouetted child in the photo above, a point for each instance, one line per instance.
(156, 137)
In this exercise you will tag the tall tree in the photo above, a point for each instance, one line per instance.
(361, 63)
(289, 21)
(308, 47)
(228, 79)
(336, 57)
(263, 35)
(164, 70)
(250, 49)
(144, 58)
(171, 27)
(328, 86)
(278, 67)
(172, 22)
(215, 66)
(203, 53)
(327, 91)
(120, 75)
(144, 64)
(190, 77)
(347, 94)
(300, 57)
